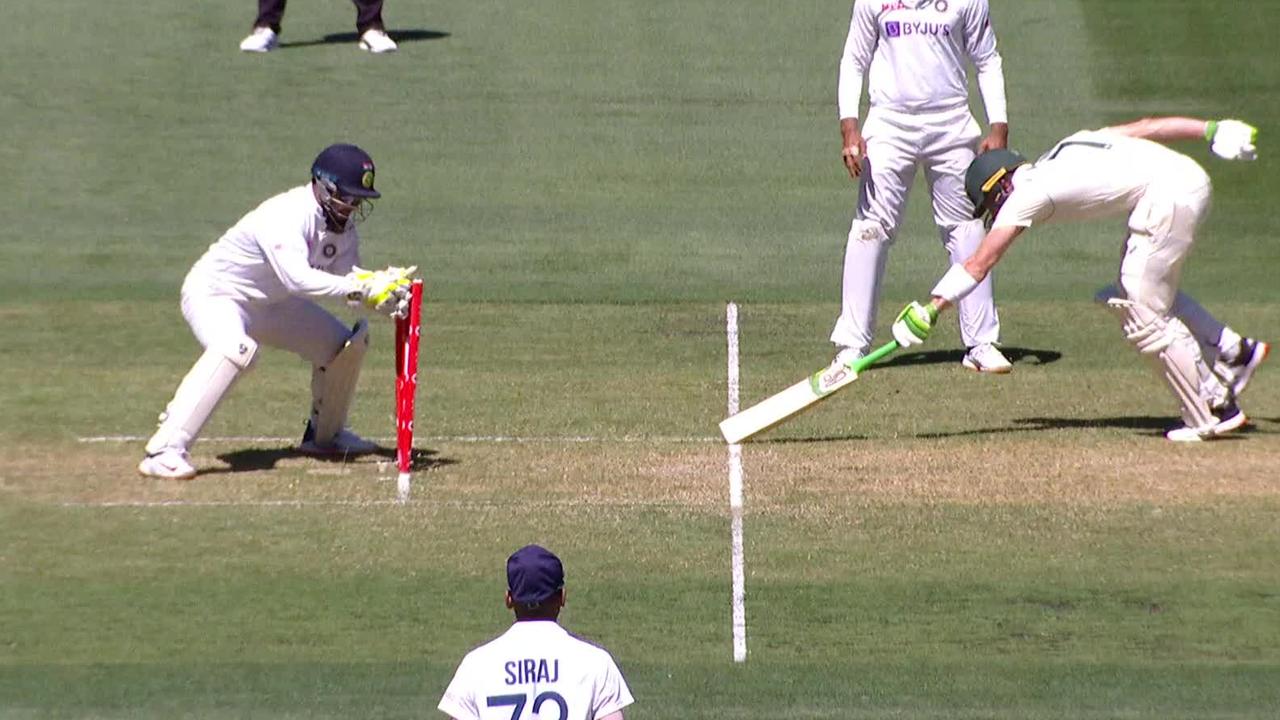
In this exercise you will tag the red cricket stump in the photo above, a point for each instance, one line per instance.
(408, 332)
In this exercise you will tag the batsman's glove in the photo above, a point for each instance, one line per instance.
(1232, 139)
(382, 290)
(914, 323)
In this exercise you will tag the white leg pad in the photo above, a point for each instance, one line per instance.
(200, 392)
(1175, 355)
(333, 385)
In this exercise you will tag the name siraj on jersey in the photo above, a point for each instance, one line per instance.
(521, 672)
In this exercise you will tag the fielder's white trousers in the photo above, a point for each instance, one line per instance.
(943, 144)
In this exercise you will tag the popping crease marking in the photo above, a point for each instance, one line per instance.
(443, 438)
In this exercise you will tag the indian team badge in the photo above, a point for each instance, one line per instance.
(367, 179)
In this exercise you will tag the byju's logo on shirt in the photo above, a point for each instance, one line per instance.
(894, 28)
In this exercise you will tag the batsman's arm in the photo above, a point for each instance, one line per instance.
(1163, 129)
(962, 278)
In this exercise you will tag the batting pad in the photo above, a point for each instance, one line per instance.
(200, 392)
(333, 385)
(1175, 356)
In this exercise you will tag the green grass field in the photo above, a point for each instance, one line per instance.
(585, 185)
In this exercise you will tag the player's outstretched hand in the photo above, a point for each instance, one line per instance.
(914, 324)
(1232, 139)
(382, 290)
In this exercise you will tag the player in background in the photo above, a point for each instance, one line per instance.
(914, 54)
(258, 284)
(536, 668)
(1121, 171)
(265, 36)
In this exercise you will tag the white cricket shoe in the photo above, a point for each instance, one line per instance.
(344, 443)
(169, 463)
(262, 39)
(377, 41)
(986, 358)
(1227, 417)
(1237, 373)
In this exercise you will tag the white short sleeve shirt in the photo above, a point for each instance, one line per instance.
(536, 670)
(1093, 174)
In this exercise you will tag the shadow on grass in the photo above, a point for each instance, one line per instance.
(935, 357)
(400, 36)
(1145, 424)
(266, 459)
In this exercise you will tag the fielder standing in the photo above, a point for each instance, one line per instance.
(1121, 171)
(915, 55)
(258, 284)
(536, 669)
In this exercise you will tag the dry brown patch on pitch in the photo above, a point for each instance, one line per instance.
(1138, 470)
(793, 478)
(106, 473)
(597, 473)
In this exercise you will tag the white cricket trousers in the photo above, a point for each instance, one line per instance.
(1162, 229)
(943, 144)
(294, 324)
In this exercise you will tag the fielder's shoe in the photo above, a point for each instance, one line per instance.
(1227, 417)
(986, 358)
(344, 443)
(1237, 372)
(262, 39)
(377, 41)
(169, 463)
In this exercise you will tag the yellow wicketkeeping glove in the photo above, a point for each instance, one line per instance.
(381, 289)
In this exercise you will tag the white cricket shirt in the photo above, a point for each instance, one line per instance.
(536, 669)
(1092, 174)
(917, 52)
(279, 249)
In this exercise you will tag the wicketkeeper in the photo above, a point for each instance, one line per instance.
(1165, 195)
(259, 284)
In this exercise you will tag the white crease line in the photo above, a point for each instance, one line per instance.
(738, 559)
(454, 504)
(438, 438)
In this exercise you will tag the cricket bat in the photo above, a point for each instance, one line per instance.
(803, 395)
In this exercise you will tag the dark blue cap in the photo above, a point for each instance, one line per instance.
(347, 167)
(534, 574)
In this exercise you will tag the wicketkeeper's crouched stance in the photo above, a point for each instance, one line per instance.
(254, 286)
(1119, 171)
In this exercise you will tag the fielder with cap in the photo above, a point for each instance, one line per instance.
(259, 283)
(536, 669)
(1122, 171)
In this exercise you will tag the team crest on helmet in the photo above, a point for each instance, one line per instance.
(367, 178)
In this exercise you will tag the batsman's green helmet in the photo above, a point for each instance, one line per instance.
(984, 172)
